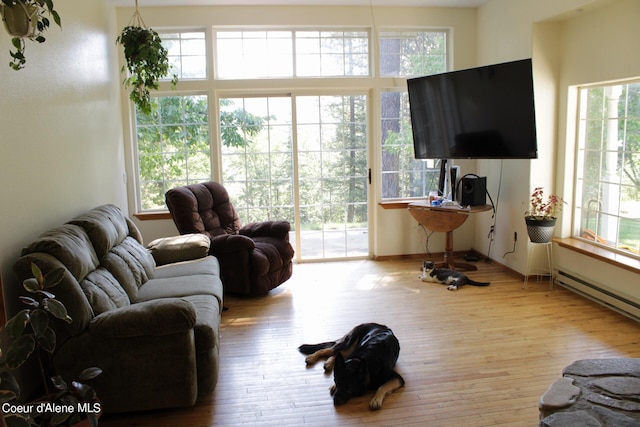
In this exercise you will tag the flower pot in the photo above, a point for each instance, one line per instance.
(20, 20)
(540, 230)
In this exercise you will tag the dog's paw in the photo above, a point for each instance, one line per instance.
(376, 403)
(332, 389)
(452, 287)
(310, 360)
(328, 365)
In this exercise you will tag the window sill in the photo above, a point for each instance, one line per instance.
(602, 254)
(152, 216)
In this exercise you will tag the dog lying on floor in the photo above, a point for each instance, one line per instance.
(364, 359)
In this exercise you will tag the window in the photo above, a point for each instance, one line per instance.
(257, 156)
(280, 54)
(173, 147)
(607, 209)
(406, 54)
(187, 54)
(402, 175)
(412, 53)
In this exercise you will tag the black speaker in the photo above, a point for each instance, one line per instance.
(474, 191)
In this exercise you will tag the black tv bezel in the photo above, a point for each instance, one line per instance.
(532, 152)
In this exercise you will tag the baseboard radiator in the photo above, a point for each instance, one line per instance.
(599, 293)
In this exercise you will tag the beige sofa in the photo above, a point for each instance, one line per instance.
(154, 331)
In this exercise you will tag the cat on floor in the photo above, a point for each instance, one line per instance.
(452, 278)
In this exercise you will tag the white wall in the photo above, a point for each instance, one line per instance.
(510, 30)
(61, 149)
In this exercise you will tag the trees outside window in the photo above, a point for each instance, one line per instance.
(406, 54)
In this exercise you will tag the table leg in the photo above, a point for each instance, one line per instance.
(449, 258)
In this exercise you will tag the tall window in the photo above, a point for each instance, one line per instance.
(607, 207)
(406, 54)
(173, 147)
(257, 156)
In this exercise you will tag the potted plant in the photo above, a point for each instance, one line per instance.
(147, 61)
(541, 216)
(26, 19)
(30, 333)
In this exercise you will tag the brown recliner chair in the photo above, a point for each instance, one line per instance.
(254, 258)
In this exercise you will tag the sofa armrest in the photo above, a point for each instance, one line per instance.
(168, 250)
(156, 317)
(278, 229)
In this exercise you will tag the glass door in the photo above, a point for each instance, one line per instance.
(332, 176)
(303, 159)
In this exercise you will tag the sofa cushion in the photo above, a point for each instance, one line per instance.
(207, 265)
(103, 291)
(181, 287)
(67, 247)
(105, 225)
(117, 243)
(70, 245)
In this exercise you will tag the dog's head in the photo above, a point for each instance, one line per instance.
(350, 377)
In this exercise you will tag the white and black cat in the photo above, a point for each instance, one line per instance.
(454, 279)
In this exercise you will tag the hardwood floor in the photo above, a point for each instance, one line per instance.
(474, 357)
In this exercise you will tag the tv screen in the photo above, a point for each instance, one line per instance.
(479, 113)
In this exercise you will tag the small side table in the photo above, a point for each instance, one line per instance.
(445, 220)
(548, 247)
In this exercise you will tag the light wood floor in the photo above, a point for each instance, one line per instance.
(474, 357)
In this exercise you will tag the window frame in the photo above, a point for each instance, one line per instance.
(577, 208)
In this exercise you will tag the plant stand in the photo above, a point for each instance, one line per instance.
(532, 247)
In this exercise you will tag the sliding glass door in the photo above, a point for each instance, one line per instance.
(304, 159)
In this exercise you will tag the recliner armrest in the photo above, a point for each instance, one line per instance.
(227, 243)
(156, 317)
(277, 228)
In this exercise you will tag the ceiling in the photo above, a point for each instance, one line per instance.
(420, 3)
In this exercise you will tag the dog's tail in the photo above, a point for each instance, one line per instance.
(312, 348)
(474, 283)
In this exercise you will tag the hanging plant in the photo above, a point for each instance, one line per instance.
(147, 61)
(26, 19)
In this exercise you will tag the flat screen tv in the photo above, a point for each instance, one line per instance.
(479, 113)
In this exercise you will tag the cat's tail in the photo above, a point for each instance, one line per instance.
(474, 283)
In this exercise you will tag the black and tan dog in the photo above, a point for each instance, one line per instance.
(362, 360)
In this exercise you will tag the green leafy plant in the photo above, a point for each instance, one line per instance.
(30, 332)
(147, 61)
(27, 19)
